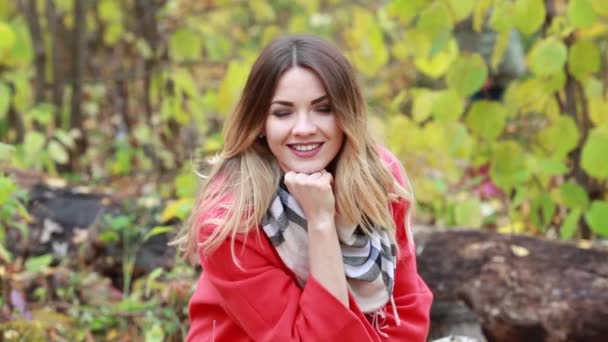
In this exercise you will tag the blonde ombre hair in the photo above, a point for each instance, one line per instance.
(245, 176)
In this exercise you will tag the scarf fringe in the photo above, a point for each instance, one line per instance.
(379, 318)
(377, 324)
(395, 314)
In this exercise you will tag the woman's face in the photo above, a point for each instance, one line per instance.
(301, 128)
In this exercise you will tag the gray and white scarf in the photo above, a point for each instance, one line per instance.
(369, 260)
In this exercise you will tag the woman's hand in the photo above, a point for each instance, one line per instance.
(314, 194)
(316, 197)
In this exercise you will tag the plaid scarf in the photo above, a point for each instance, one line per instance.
(369, 260)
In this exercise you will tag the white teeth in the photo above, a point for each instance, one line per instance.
(305, 147)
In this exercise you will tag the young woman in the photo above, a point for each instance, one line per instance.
(302, 226)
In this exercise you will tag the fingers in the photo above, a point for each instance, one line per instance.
(318, 178)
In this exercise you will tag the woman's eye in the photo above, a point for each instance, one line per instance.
(280, 113)
(325, 109)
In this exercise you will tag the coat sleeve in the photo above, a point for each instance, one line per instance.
(413, 298)
(265, 301)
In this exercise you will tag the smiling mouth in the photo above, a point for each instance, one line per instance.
(304, 147)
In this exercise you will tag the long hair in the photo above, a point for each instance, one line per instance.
(245, 177)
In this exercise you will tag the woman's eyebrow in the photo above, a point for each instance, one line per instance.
(287, 103)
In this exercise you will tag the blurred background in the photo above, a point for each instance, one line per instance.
(498, 110)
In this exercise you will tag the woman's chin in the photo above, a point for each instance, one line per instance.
(308, 169)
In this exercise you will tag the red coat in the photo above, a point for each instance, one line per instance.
(263, 302)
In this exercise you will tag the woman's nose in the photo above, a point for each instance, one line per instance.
(304, 125)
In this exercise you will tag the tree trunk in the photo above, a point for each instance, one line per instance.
(57, 82)
(522, 288)
(78, 69)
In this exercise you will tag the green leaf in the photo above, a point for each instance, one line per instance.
(486, 119)
(598, 111)
(560, 137)
(43, 113)
(22, 51)
(366, 41)
(7, 37)
(521, 194)
(593, 159)
(548, 209)
(157, 231)
(548, 56)
(508, 167)
(434, 20)
(468, 213)
(594, 88)
(5, 255)
(64, 138)
(109, 10)
(597, 217)
(501, 19)
(184, 82)
(152, 276)
(529, 15)
(423, 104)
(461, 143)
(5, 99)
(231, 86)
(584, 59)
(6, 151)
(7, 187)
(554, 82)
(185, 44)
(500, 47)
(404, 10)
(435, 66)
(113, 33)
(467, 74)
(58, 152)
(568, 228)
(262, 11)
(155, 333)
(600, 7)
(551, 167)
(38, 264)
(7, 9)
(479, 13)
(573, 196)
(460, 9)
(186, 185)
(311, 6)
(447, 106)
(580, 13)
(109, 237)
(219, 48)
(33, 144)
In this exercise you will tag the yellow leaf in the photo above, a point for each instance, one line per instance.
(520, 251)
(423, 103)
(366, 41)
(176, 209)
(598, 111)
(513, 228)
(437, 66)
(50, 317)
(479, 12)
(112, 335)
(585, 244)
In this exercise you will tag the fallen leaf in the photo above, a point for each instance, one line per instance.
(520, 251)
